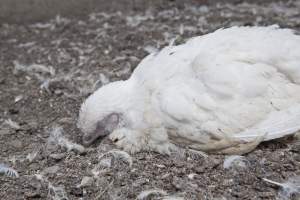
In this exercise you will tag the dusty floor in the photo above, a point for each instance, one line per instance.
(47, 69)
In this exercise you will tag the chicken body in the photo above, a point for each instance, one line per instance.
(223, 92)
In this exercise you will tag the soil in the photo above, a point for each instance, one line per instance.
(47, 70)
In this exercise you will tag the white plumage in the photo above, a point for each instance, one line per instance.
(223, 92)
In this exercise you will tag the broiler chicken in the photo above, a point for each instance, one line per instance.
(224, 92)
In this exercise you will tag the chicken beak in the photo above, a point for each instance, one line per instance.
(89, 139)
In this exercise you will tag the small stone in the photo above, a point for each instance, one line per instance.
(85, 182)
(228, 182)
(5, 132)
(297, 136)
(160, 166)
(32, 156)
(12, 124)
(67, 120)
(57, 156)
(199, 170)
(180, 164)
(18, 98)
(178, 183)
(235, 162)
(34, 166)
(165, 176)
(58, 92)
(266, 194)
(17, 144)
(34, 183)
(192, 176)
(13, 111)
(76, 192)
(33, 124)
(296, 147)
(215, 162)
(33, 195)
(50, 170)
(141, 181)
(297, 157)
(2, 80)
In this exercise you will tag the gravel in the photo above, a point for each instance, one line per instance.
(47, 69)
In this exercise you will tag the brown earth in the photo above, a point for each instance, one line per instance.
(48, 69)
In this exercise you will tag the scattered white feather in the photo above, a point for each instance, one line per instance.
(61, 20)
(31, 156)
(27, 44)
(43, 25)
(45, 85)
(8, 171)
(85, 182)
(192, 176)
(203, 9)
(50, 170)
(109, 159)
(103, 80)
(119, 58)
(289, 188)
(148, 193)
(195, 154)
(157, 194)
(125, 70)
(22, 158)
(39, 177)
(54, 192)
(40, 72)
(173, 197)
(150, 49)
(12, 124)
(235, 161)
(105, 162)
(117, 154)
(57, 192)
(181, 29)
(56, 138)
(13, 159)
(103, 166)
(136, 20)
(34, 68)
(18, 98)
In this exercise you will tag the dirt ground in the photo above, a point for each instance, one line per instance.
(48, 69)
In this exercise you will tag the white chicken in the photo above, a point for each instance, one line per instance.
(223, 92)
